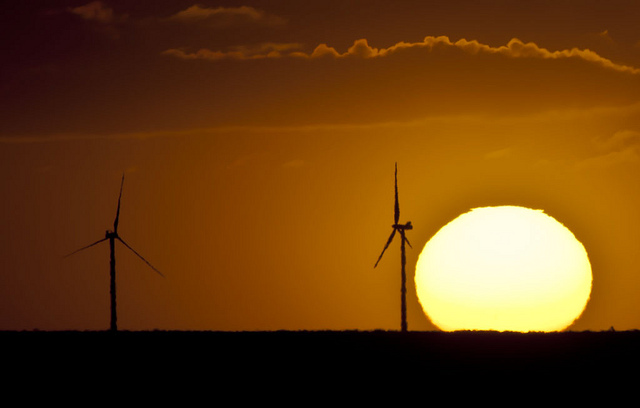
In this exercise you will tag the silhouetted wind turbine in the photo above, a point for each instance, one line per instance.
(112, 236)
(400, 228)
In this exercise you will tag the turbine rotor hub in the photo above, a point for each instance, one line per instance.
(406, 226)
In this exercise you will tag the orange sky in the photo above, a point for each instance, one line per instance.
(259, 139)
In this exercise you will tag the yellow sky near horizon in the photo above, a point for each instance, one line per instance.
(258, 143)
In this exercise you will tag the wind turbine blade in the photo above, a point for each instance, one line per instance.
(140, 256)
(386, 246)
(115, 223)
(406, 240)
(88, 246)
(396, 215)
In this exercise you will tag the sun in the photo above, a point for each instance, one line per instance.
(503, 268)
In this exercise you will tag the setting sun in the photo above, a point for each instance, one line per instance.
(503, 268)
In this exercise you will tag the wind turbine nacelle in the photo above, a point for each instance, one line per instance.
(406, 226)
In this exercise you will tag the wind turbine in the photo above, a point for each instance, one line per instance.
(400, 228)
(112, 236)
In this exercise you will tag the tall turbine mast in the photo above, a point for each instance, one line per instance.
(112, 236)
(400, 228)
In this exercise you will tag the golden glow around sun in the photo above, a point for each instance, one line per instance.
(503, 268)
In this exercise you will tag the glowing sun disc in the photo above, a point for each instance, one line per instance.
(503, 268)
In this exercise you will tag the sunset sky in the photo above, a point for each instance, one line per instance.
(258, 142)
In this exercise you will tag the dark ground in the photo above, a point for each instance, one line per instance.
(449, 352)
(524, 364)
(332, 367)
(308, 368)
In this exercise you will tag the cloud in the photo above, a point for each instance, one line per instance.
(499, 154)
(605, 35)
(515, 48)
(361, 49)
(619, 141)
(96, 11)
(104, 20)
(619, 148)
(321, 51)
(225, 130)
(260, 51)
(225, 16)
